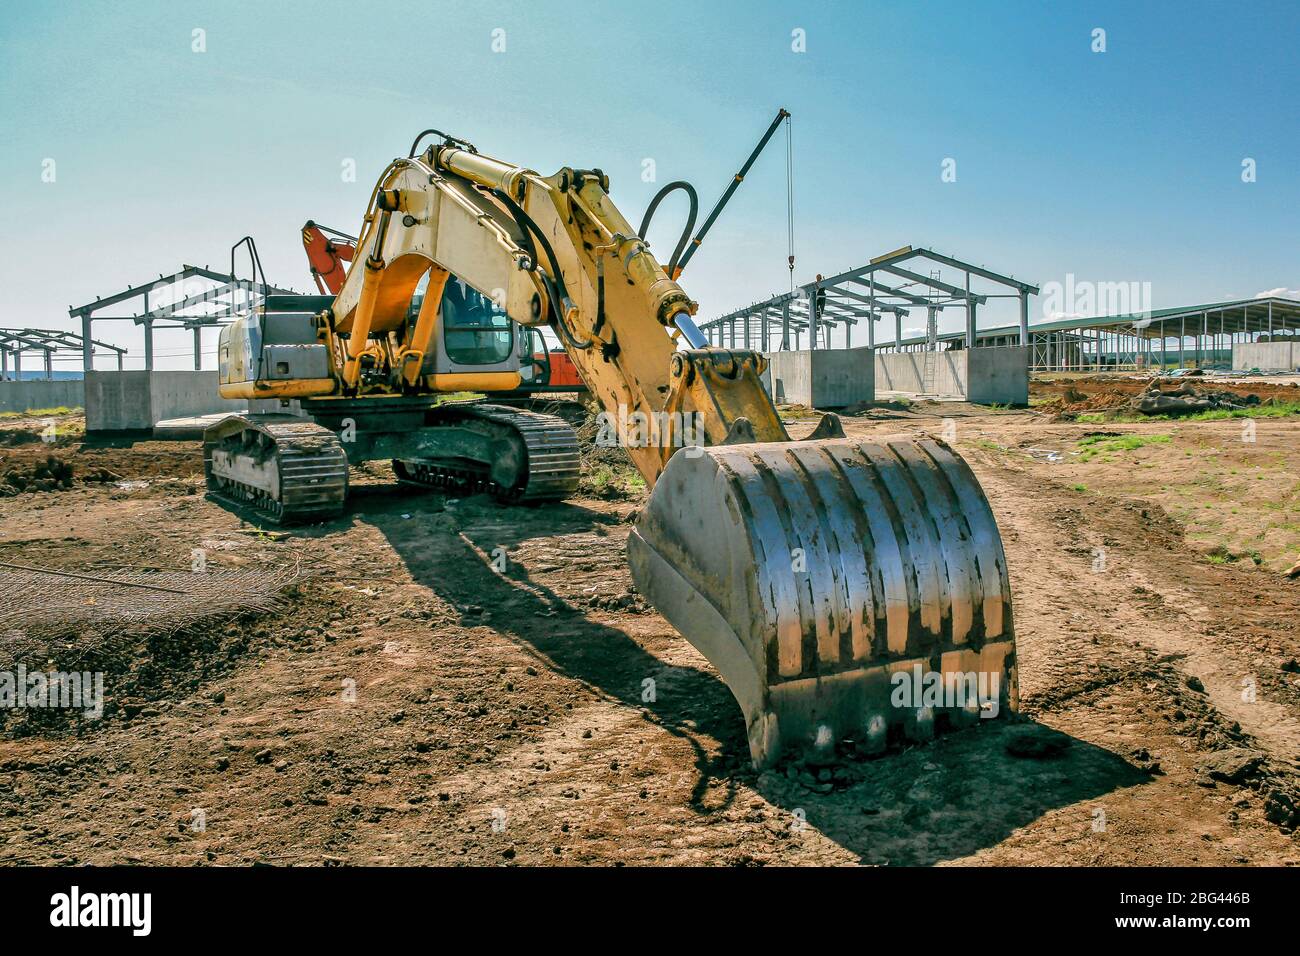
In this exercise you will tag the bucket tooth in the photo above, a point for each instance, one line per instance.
(834, 584)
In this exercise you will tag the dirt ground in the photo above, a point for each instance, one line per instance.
(414, 705)
(1073, 393)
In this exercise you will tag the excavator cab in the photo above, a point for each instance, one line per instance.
(475, 331)
(279, 350)
(476, 350)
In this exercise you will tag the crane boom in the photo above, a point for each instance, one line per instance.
(781, 114)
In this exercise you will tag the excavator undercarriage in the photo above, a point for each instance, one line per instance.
(293, 469)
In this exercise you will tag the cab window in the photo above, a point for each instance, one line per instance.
(476, 331)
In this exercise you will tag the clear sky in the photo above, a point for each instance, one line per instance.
(1116, 166)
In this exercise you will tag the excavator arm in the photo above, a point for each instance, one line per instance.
(812, 574)
(327, 250)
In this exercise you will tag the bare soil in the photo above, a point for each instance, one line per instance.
(1067, 395)
(415, 704)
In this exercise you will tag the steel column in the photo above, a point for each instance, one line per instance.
(87, 347)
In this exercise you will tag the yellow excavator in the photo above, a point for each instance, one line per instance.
(820, 577)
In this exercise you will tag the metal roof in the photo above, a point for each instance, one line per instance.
(856, 293)
(1240, 315)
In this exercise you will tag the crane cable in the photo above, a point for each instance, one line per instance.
(789, 197)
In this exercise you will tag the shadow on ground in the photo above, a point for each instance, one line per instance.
(945, 800)
(959, 794)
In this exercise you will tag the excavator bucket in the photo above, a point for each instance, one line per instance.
(849, 592)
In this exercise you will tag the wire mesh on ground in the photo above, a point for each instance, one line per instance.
(39, 605)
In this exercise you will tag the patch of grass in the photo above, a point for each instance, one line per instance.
(605, 480)
(1094, 445)
(1091, 418)
(43, 412)
(797, 412)
(1222, 554)
(1277, 410)
(1078, 487)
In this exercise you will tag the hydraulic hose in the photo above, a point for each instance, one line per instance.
(690, 220)
(555, 280)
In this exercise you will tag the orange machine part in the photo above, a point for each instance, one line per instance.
(563, 371)
(327, 258)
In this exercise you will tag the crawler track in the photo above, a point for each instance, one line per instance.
(284, 469)
(544, 447)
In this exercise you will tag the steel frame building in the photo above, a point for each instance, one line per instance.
(49, 342)
(900, 281)
(892, 284)
(1186, 336)
(184, 309)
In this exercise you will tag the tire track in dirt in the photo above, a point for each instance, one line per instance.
(1151, 589)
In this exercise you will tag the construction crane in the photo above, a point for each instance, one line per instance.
(812, 574)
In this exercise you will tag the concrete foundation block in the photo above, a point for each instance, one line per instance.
(998, 376)
(821, 378)
(985, 376)
(135, 401)
(1266, 356)
(940, 374)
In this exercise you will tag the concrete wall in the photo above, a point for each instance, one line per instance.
(899, 372)
(1266, 356)
(950, 374)
(905, 372)
(117, 401)
(984, 375)
(787, 376)
(821, 378)
(135, 401)
(178, 394)
(998, 375)
(32, 393)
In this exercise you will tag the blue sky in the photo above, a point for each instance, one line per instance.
(1122, 166)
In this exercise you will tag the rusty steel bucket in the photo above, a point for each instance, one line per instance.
(833, 584)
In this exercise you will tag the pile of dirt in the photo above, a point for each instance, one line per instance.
(1066, 399)
(50, 474)
(1093, 393)
(10, 437)
(152, 635)
(107, 462)
(607, 470)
